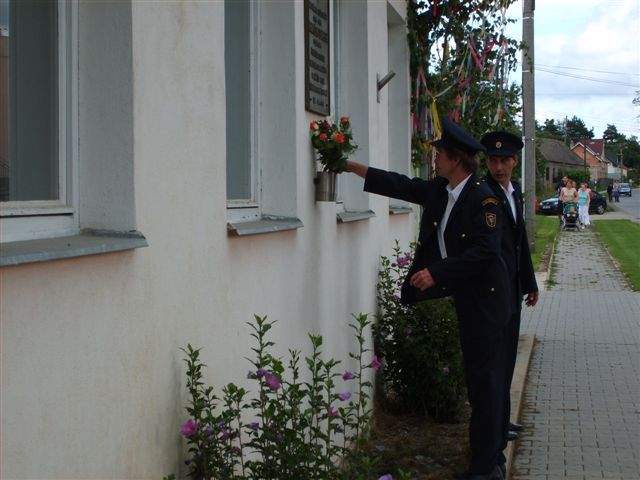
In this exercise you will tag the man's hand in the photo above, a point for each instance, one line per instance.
(532, 299)
(422, 279)
(357, 168)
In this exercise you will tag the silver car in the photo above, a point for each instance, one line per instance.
(625, 189)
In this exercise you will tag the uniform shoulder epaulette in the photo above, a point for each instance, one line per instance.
(490, 201)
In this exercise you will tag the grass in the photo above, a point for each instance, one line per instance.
(546, 231)
(622, 239)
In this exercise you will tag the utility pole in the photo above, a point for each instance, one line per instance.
(528, 120)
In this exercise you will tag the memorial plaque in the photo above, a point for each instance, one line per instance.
(316, 56)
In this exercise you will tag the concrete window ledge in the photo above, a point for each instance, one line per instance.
(266, 224)
(397, 210)
(89, 242)
(346, 217)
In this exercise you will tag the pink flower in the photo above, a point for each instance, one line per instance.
(332, 412)
(348, 376)
(323, 137)
(189, 428)
(313, 126)
(375, 363)
(272, 381)
(344, 396)
(386, 477)
(254, 425)
(404, 261)
(344, 120)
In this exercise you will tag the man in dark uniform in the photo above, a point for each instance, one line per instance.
(502, 157)
(458, 253)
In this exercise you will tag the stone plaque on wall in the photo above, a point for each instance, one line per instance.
(316, 56)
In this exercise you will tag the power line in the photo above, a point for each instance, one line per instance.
(571, 94)
(587, 69)
(591, 79)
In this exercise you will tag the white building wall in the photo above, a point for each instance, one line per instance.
(92, 377)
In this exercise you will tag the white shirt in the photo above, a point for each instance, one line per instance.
(454, 193)
(512, 203)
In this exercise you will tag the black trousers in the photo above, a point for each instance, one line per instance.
(485, 373)
(511, 352)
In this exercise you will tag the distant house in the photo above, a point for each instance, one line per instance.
(592, 152)
(615, 166)
(559, 158)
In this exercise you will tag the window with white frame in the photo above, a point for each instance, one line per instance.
(260, 72)
(335, 88)
(35, 104)
(399, 127)
(242, 181)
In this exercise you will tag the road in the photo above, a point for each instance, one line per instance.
(630, 205)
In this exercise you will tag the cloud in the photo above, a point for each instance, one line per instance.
(584, 38)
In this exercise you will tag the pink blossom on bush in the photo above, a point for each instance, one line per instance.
(375, 363)
(386, 477)
(348, 376)
(404, 261)
(254, 425)
(189, 428)
(272, 381)
(332, 412)
(344, 396)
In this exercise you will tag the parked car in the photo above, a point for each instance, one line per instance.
(550, 205)
(625, 189)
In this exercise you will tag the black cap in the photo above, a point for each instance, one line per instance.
(501, 144)
(455, 137)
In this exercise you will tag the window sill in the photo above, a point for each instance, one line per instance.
(397, 210)
(89, 242)
(346, 217)
(266, 224)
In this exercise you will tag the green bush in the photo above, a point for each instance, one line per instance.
(287, 428)
(423, 369)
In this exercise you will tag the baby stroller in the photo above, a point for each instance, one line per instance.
(570, 216)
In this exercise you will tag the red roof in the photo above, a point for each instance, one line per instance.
(596, 144)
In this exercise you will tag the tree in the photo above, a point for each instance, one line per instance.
(460, 60)
(551, 129)
(612, 136)
(575, 129)
(631, 152)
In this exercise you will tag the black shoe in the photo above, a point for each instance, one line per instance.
(515, 427)
(511, 436)
(496, 474)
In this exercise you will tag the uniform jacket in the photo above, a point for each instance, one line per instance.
(515, 245)
(473, 272)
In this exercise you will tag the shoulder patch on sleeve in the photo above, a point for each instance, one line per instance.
(490, 201)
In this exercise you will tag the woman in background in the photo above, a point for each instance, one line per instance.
(569, 194)
(584, 199)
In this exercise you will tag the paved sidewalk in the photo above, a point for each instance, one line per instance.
(582, 402)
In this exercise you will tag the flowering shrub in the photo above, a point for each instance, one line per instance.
(288, 428)
(423, 362)
(333, 142)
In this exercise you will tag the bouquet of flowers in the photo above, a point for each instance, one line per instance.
(333, 142)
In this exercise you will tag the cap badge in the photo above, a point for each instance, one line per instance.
(498, 144)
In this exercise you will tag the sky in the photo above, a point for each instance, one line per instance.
(585, 38)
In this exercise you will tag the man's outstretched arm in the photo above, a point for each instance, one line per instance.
(357, 168)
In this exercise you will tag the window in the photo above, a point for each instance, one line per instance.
(35, 106)
(260, 74)
(397, 97)
(240, 80)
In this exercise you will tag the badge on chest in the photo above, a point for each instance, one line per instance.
(491, 219)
